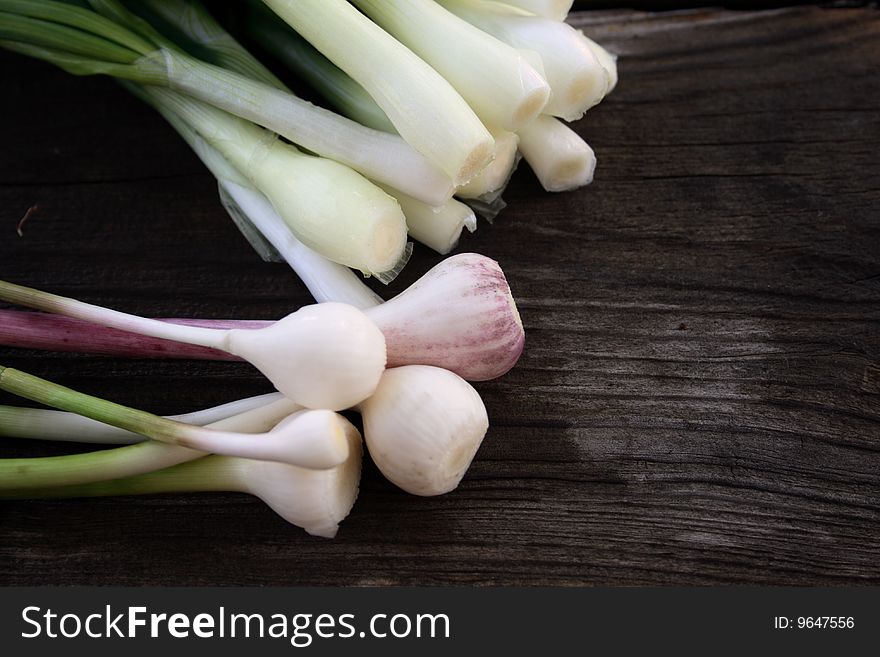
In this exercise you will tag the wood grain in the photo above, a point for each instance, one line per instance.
(699, 399)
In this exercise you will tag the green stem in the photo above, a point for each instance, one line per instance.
(45, 392)
(118, 14)
(14, 27)
(31, 473)
(211, 473)
(27, 474)
(193, 21)
(145, 71)
(80, 18)
(343, 93)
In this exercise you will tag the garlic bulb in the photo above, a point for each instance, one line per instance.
(327, 355)
(308, 439)
(423, 426)
(316, 500)
(460, 316)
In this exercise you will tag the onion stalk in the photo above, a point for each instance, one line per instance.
(352, 100)
(327, 355)
(494, 177)
(438, 228)
(197, 24)
(331, 82)
(431, 116)
(325, 279)
(605, 58)
(328, 206)
(149, 455)
(503, 89)
(577, 78)
(29, 330)
(561, 160)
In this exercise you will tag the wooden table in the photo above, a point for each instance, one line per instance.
(699, 398)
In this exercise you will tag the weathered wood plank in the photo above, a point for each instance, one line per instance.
(699, 400)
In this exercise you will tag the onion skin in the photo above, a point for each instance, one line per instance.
(460, 316)
(423, 426)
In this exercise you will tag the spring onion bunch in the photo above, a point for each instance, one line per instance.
(505, 90)
(85, 42)
(579, 71)
(352, 100)
(327, 205)
(437, 226)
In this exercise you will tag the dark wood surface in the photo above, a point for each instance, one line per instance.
(699, 398)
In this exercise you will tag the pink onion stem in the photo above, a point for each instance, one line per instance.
(460, 316)
(34, 330)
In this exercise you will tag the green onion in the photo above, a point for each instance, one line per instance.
(447, 219)
(605, 58)
(577, 78)
(503, 88)
(329, 207)
(427, 112)
(325, 279)
(436, 227)
(440, 233)
(152, 59)
(349, 97)
(561, 160)
(495, 176)
(322, 75)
